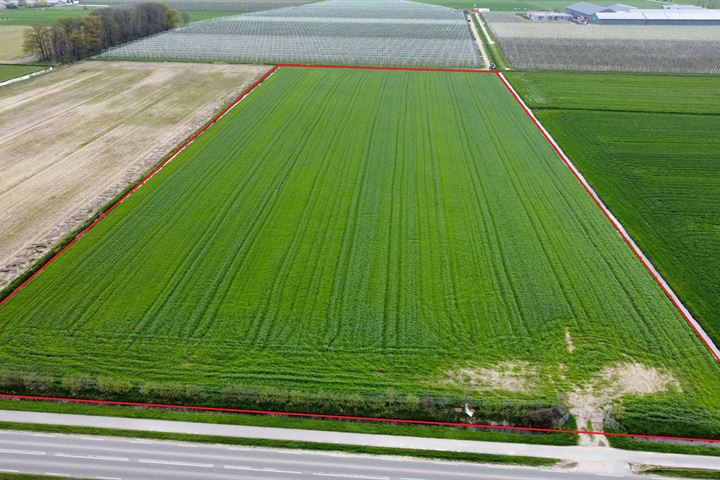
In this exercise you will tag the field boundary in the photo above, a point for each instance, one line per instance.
(618, 226)
(669, 292)
(327, 416)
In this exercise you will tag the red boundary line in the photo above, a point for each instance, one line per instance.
(401, 69)
(177, 151)
(605, 211)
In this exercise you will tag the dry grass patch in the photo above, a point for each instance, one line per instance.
(507, 376)
(11, 42)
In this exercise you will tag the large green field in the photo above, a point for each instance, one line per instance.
(362, 241)
(40, 16)
(649, 145)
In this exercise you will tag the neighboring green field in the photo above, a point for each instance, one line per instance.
(620, 92)
(8, 72)
(197, 15)
(510, 5)
(658, 172)
(40, 16)
(362, 241)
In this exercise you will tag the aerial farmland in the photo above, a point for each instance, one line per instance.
(360, 215)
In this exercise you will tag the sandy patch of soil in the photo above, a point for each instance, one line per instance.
(589, 403)
(569, 341)
(507, 376)
(72, 139)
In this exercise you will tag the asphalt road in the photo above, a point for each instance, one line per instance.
(126, 458)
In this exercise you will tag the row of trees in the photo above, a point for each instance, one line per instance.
(71, 39)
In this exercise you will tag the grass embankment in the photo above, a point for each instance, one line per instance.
(8, 72)
(648, 145)
(291, 422)
(683, 473)
(650, 446)
(256, 442)
(379, 255)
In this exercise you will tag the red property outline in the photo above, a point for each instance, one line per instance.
(548, 138)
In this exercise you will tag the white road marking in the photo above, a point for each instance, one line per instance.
(345, 475)
(253, 469)
(609, 475)
(179, 464)
(7, 470)
(44, 435)
(21, 452)
(108, 478)
(93, 457)
(52, 474)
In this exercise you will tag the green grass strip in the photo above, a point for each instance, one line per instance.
(299, 423)
(683, 473)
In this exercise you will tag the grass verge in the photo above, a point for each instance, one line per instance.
(286, 422)
(682, 473)
(627, 443)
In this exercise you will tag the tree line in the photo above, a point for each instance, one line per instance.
(71, 39)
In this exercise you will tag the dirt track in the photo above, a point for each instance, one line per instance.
(72, 139)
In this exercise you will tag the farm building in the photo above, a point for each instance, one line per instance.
(582, 9)
(545, 16)
(586, 10)
(694, 16)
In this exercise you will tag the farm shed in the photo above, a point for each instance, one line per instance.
(658, 17)
(545, 16)
(582, 9)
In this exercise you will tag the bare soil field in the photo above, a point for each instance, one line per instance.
(72, 139)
